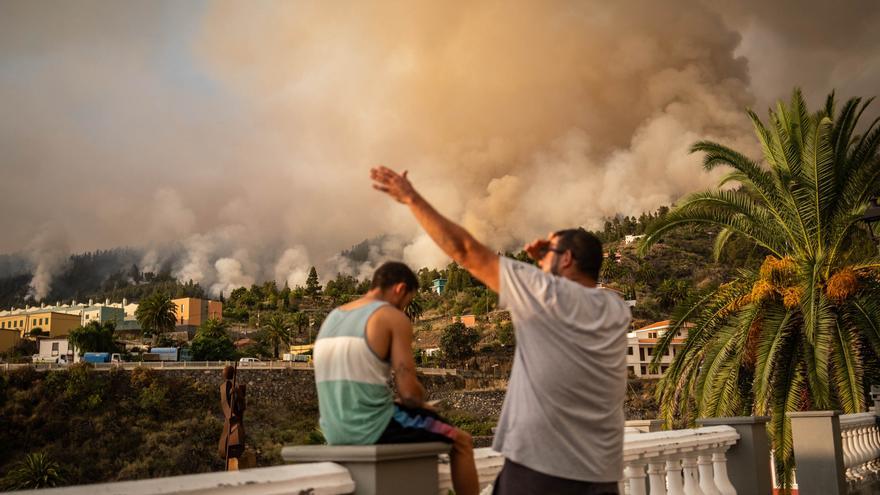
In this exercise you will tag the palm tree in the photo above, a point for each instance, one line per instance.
(36, 470)
(798, 333)
(277, 330)
(157, 314)
(415, 309)
(300, 321)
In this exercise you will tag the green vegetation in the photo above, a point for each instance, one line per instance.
(458, 341)
(212, 342)
(36, 470)
(801, 332)
(276, 331)
(130, 425)
(94, 337)
(156, 315)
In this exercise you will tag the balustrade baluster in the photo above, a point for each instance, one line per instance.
(674, 477)
(691, 476)
(861, 451)
(846, 443)
(635, 477)
(707, 476)
(657, 478)
(875, 447)
(722, 481)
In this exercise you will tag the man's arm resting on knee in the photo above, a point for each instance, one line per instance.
(411, 391)
(452, 238)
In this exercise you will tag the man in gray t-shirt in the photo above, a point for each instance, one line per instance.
(561, 427)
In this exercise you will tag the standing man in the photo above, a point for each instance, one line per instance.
(561, 426)
(358, 346)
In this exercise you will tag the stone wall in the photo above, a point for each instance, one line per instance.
(295, 386)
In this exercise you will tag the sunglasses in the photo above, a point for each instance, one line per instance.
(543, 252)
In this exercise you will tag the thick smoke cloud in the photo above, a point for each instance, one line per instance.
(232, 140)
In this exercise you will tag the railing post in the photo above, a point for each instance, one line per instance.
(645, 425)
(748, 462)
(818, 452)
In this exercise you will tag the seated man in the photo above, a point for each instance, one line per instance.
(358, 346)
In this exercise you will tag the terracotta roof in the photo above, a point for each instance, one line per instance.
(659, 324)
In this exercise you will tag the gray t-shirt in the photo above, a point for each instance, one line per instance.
(563, 413)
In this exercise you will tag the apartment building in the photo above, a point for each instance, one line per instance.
(641, 347)
(54, 323)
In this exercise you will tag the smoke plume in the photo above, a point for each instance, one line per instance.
(232, 140)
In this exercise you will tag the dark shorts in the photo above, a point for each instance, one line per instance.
(414, 425)
(516, 479)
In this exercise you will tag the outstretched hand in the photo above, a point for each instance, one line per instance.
(393, 184)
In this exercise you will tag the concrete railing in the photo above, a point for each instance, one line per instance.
(323, 478)
(836, 454)
(860, 439)
(678, 462)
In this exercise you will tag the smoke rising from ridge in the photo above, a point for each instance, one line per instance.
(232, 141)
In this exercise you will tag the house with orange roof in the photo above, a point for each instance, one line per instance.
(642, 344)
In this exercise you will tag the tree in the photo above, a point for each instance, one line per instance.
(36, 470)
(94, 337)
(457, 341)
(212, 342)
(415, 309)
(157, 314)
(671, 292)
(313, 286)
(799, 333)
(300, 321)
(277, 331)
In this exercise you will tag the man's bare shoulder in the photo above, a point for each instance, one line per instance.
(390, 316)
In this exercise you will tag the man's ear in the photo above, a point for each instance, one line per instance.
(400, 289)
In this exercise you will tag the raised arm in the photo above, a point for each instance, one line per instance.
(453, 239)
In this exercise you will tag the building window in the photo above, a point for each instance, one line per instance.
(641, 353)
(631, 369)
(644, 370)
(650, 351)
(652, 335)
(629, 351)
(666, 353)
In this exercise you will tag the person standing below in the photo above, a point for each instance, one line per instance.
(561, 425)
(357, 347)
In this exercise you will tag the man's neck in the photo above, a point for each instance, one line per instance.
(576, 276)
(375, 295)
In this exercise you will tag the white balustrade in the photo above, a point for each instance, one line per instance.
(679, 462)
(324, 478)
(860, 439)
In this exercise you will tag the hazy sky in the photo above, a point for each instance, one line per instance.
(235, 137)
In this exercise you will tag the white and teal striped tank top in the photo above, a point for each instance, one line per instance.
(354, 399)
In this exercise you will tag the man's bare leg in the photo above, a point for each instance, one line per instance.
(462, 465)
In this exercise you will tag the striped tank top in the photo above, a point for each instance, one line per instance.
(354, 400)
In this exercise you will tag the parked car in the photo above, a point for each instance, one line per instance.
(249, 361)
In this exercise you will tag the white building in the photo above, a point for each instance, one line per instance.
(57, 350)
(641, 345)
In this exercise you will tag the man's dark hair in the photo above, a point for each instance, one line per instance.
(394, 272)
(585, 248)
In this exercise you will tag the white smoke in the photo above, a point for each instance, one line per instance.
(49, 253)
(233, 143)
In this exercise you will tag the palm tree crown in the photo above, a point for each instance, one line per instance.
(157, 314)
(799, 332)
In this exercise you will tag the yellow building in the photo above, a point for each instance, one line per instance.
(193, 311)
(8, 339)
(56, 324)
